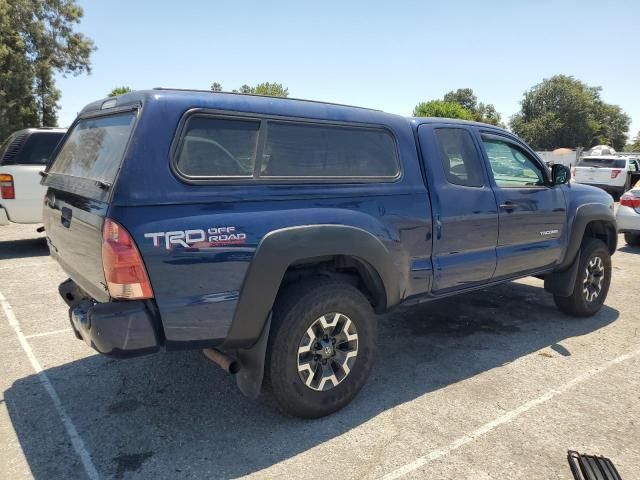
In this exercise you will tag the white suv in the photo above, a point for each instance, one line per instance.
(612, 173)
(22, 157)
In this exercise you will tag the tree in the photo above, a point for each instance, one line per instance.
(463, 97)
(441, 108)
(480, 112)
(269, 89)
(119, 91)
(565, 112)
(612, 125)
(635, 146)
(18, 108)
(37, 39)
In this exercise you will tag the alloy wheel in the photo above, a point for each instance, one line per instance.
(593, 280)
(327, 351)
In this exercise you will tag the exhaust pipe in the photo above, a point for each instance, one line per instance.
(223, 360)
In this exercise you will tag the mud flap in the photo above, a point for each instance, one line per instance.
(591, 467)
(249, 378)
(562, 283)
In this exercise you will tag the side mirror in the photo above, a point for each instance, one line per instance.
(560, 174)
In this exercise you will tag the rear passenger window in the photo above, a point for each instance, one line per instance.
(315, 150)
(216, 147)
(459, 157)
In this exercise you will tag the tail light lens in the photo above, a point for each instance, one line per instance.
(7, 190)
(123, 268)
(615, 173)
(630, 200)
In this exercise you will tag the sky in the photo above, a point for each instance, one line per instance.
(385, 55)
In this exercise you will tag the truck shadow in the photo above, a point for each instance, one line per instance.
(23, 248)
(175, 411)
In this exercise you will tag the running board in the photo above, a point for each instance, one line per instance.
(591, 467)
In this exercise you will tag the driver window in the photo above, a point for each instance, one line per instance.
(510, 166)
(633, 165)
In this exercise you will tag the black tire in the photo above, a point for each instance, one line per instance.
(632, 239)
(296, 310)
(577, 304)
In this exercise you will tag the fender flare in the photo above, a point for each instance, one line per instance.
(281, 248)
(586, 214)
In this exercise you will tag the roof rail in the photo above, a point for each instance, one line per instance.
(266, 96)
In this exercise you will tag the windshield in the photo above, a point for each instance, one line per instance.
(602, 162)
(95, 148)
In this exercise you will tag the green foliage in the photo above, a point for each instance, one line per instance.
(441, 108)
(119, 91)
(270, 89)
(465, 99)
(565, 112)
(634, 146)
(37, 39)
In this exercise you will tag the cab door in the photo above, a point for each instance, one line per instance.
(532, 212)
(464, 207)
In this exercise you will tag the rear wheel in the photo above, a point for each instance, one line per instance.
(592, 282)
(632, 239)
(321, 347)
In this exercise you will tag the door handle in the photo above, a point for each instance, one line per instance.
(65, 216)
(508, 206)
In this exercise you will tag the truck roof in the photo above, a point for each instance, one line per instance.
(245, 103)
(294, 107)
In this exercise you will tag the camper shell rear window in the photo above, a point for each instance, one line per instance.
(95, 147)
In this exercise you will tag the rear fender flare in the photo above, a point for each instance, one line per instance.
(281, 248)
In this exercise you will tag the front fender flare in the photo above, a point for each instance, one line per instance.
(585, 214)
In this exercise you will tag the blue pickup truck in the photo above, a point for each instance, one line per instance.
(269, 232)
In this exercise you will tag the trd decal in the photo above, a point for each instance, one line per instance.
(196, 238)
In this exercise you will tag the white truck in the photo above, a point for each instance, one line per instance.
(614, 173)
(22, 157)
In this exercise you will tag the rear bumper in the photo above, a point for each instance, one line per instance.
(117, 329)
(606, 188)
(628, 219)
(4, 219)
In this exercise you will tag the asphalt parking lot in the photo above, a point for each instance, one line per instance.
(492, 385)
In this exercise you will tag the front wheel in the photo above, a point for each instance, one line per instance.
(592, 282)
(321, 347)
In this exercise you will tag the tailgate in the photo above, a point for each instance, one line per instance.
(598, 175)
(79, 183)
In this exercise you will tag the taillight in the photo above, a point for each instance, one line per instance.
(615, 173)
(7, 190)
(123, 268)
(630, 200)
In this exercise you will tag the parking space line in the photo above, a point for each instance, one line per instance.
(23, 265)
(45, 334)
(506, 418)
(76, 440)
